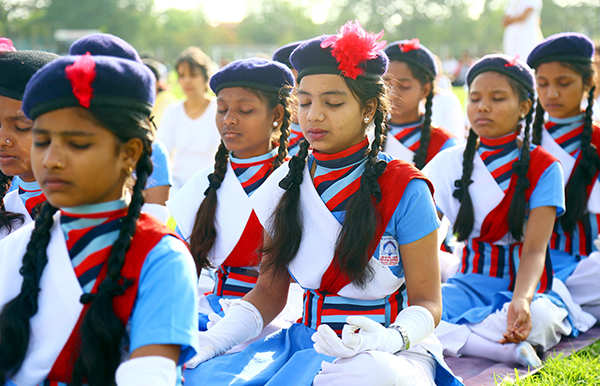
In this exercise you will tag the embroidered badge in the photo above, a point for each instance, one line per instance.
(389, 254)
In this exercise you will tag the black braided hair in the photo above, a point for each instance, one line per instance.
(583, 174)
(204, 232)
(463, 225)
(360, 222)
(15, 331)
(420, 156)
(101, 331)
(8, 220)
(538, 123)
(518, 206)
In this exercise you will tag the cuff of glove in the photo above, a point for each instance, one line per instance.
(242, 322)
(414, 324)
(152, 370)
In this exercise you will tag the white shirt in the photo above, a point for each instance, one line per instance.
(447, 113)
(520, 38)
(192, 143)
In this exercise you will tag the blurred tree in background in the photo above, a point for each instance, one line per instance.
(449, 27)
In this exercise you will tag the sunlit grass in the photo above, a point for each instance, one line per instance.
(581, 368)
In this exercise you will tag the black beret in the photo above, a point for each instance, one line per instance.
(351, 53)
(17, 67)
(562, 47)
(89, 81)
(503, 64)
(257, 73)
(412, 51)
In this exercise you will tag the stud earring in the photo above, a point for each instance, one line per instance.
(275, 124)
(366, 119)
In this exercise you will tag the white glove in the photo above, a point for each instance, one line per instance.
(151, 370)
(242, 322)
(358, 335)
(362, 334)
(328, 343)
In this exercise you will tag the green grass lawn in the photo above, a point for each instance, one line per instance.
(581, 368)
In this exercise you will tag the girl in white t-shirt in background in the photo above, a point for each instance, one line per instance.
(188, 127)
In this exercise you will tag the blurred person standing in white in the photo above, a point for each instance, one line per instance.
(188, 127)
(522, 29)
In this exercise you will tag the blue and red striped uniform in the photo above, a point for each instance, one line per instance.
(579, 243)
(31, 194)
(499, 155)
(252, 172)
(90, 235)
(337, 176)
(294, 139)
(409, 135)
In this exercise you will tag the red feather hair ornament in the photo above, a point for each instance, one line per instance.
(353, 46)
(81, 74)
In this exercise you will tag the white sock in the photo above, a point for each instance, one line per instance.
(477, 346)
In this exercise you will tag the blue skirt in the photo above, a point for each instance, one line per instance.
(284, 358)
(470, 298)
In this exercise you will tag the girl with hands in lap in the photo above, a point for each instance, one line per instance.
(356, 229)
(502, 195)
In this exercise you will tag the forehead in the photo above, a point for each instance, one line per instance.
(490, 81)
(10, 107)
(68, 119)
(399, 70)
(555, 70)
(318, 84)
(237, 95)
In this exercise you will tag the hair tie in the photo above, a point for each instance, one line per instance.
(87, 298)
(214, 182)
(461, 189)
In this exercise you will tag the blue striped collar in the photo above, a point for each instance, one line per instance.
(257, 158)
(96, 208)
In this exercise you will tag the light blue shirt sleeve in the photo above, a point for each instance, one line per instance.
(549, 190)
(165, 310)
(415, 217)
(161, 172)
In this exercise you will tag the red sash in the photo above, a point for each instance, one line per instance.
(393, 182)
(147, 234)
(495, 224)
(438, 138)
(246, 251)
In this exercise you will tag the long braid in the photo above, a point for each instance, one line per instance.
(420, 156)
(583, 174)
(518, 205)
(204, 232)
(102, 332)
(286, 220)
(352, 248)
(15, 331)
(463, 225)
(282, 152)
(538, 123)
(7, 219)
